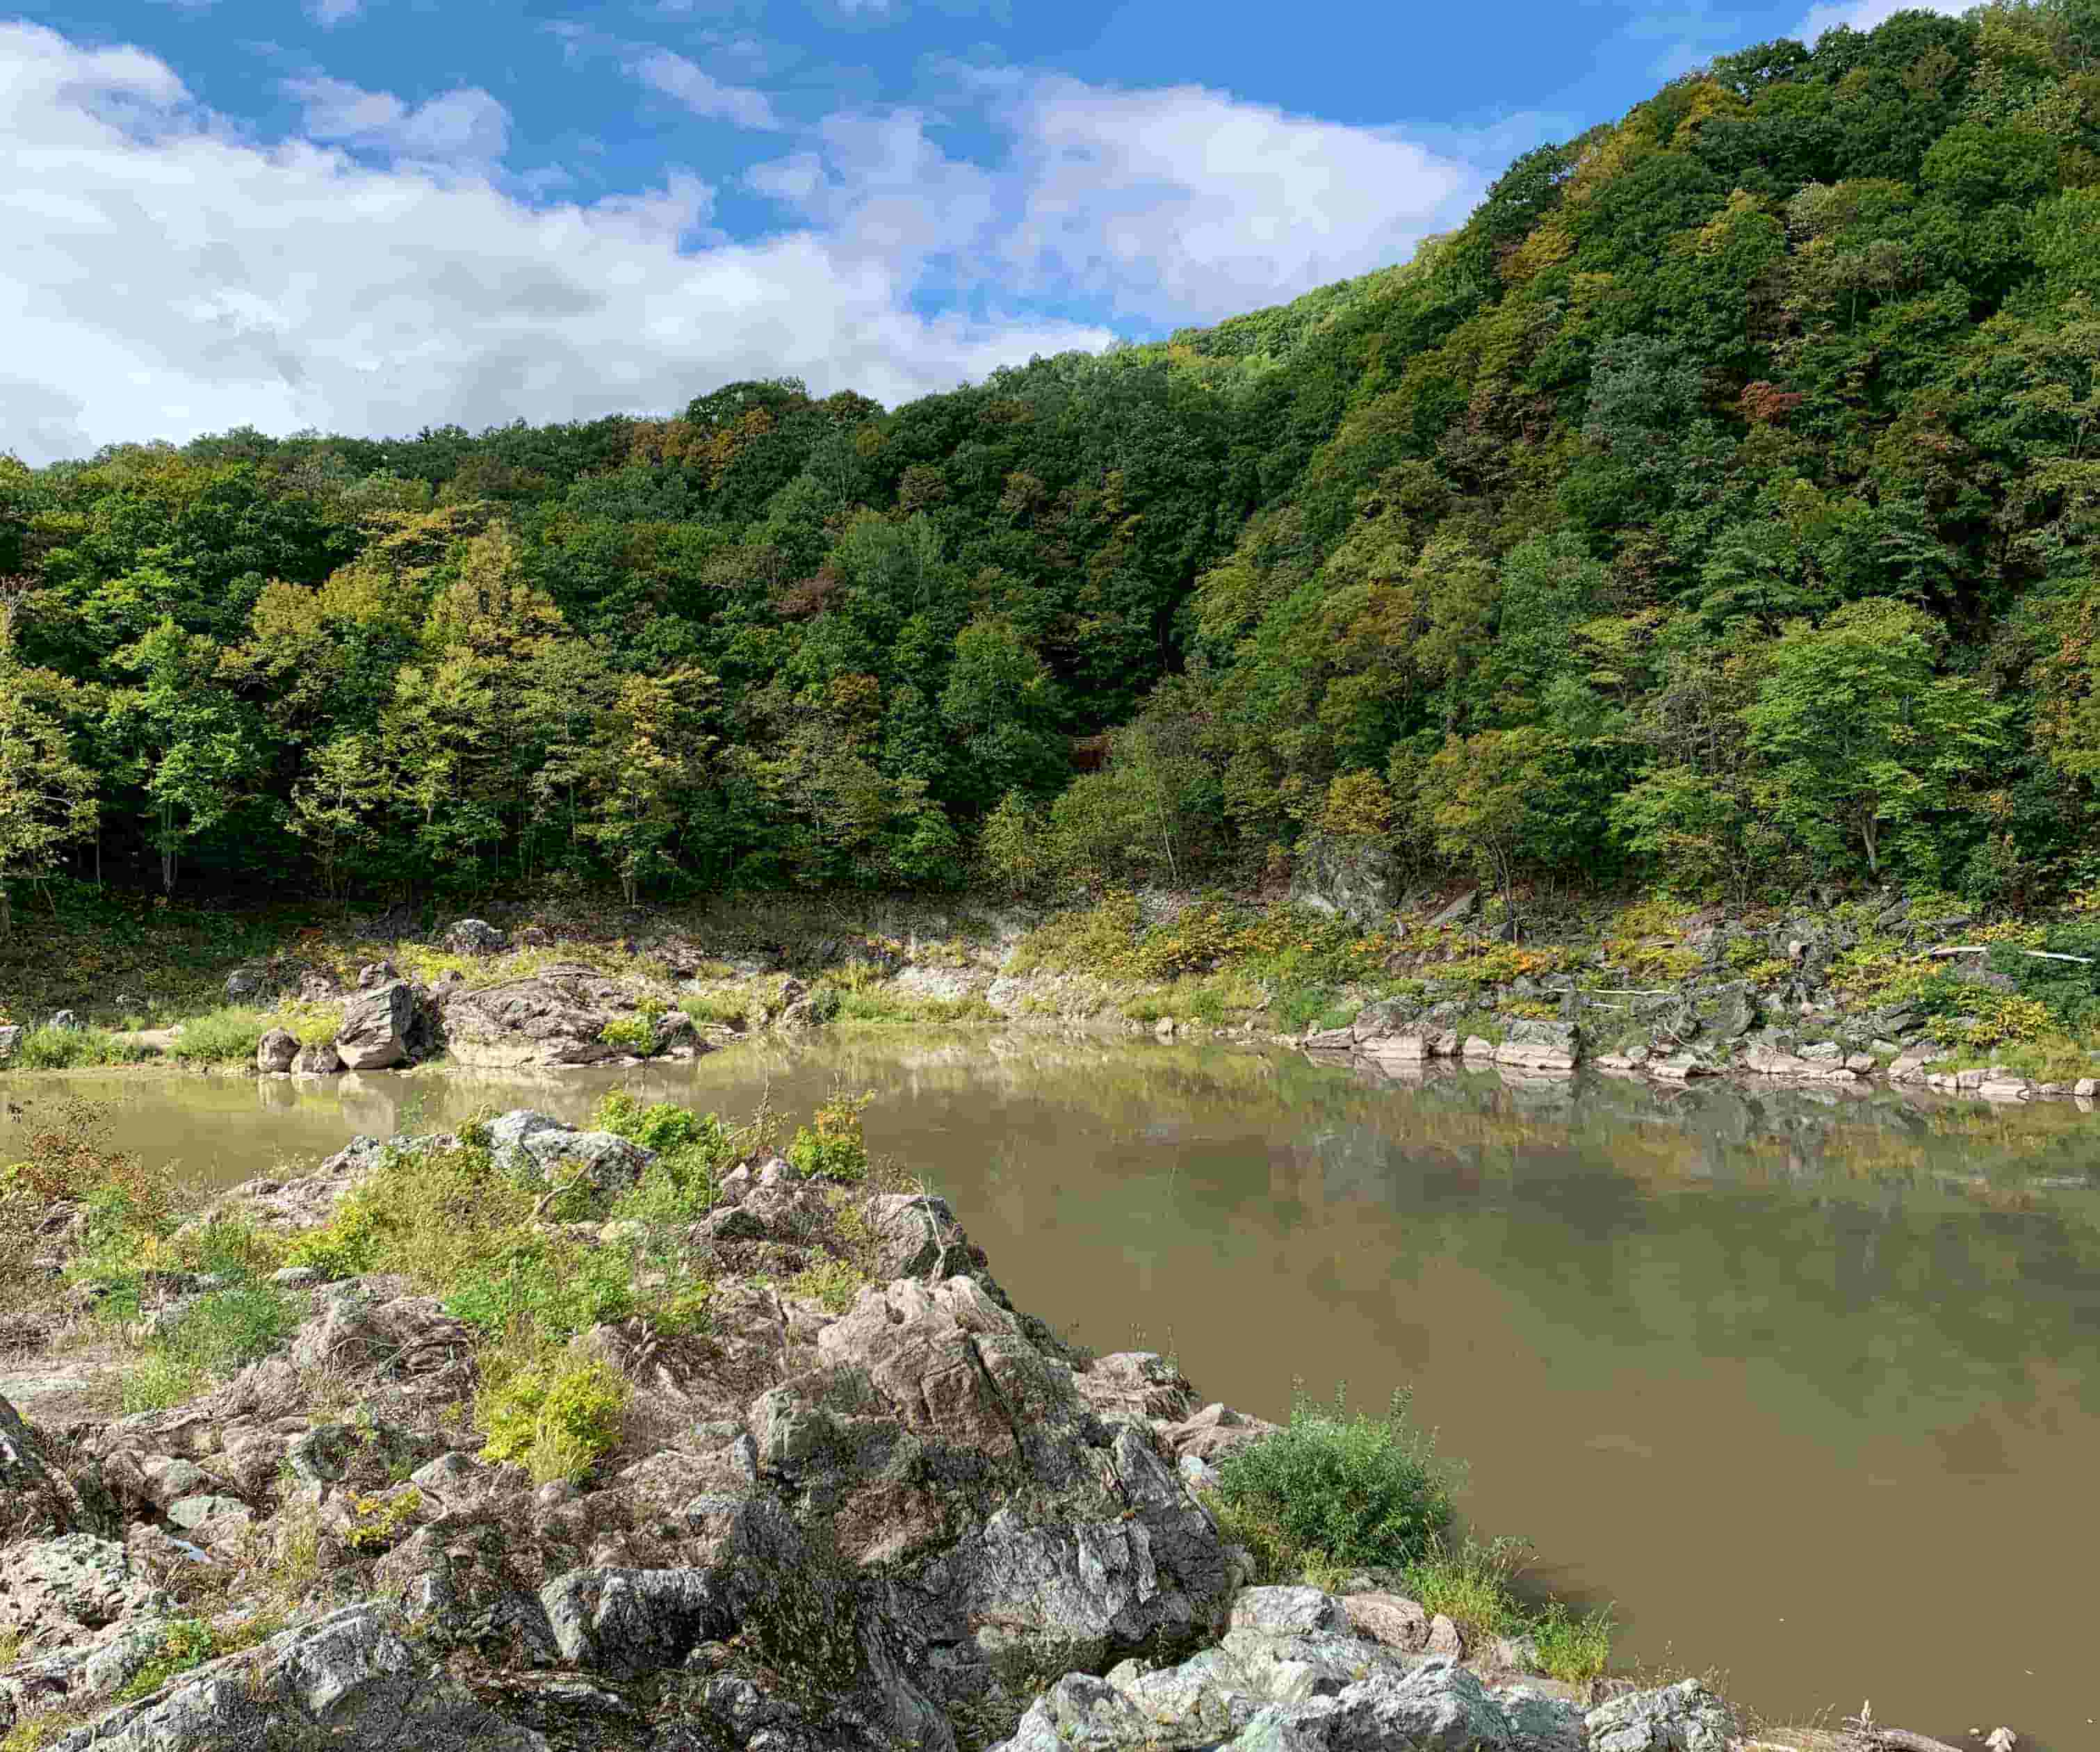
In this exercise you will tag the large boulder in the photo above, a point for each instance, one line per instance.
(1685, 1717)
(376, 1027)
(474, 936)
(556, 1016)
(276, 1050)
(1295, 1671)
(1345, 875)
(10, 1038)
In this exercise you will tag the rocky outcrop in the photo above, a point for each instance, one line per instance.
(10, 1040)
(1346, 874)
(353, 1682)
(1298, 1670)
(556, 1016)
(826, 1531)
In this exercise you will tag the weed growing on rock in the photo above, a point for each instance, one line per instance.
(835, 1284)
(185, 1643)
(553, 1413)
(554, 1287)
(216, 1336)
(1335, 1491)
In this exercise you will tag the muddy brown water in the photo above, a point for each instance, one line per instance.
(1805, 1386)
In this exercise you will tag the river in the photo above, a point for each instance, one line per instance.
(1805, 1385)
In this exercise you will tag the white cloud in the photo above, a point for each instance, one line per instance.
(701, 92)
(1864, 15)
(168, 275)
(1192, 200)
(1180, 203)
(467, 125)
(328, 14)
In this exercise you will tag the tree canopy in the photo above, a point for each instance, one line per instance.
(1719, 504)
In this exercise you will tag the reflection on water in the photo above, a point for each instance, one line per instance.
(1807, 1383)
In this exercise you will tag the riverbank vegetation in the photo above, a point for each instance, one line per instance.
(1714, 509)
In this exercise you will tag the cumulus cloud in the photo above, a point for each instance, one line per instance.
(1864, 15)
(702, 92)
(1187, 199)
(463, 126)
(170, 276)
(1176, 204)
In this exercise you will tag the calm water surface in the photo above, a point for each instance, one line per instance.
(1807, 1386)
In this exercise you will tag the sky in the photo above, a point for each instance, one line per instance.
(371, 216)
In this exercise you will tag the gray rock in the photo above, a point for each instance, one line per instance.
(64, 1019)
(604, 1161)
(474, 936)
(374, 1034)
(508, 1131)
(245, 984)
(1458, 911)
(55, 1590)
(374, 974)
(634, 1620)
(1346, 875)
(42, 1492)
(193, 1512)
(276, 1050)
(10, 1038)
(319, 1060)
(350, 1683)
(1685, 1717)
(1437, 1707)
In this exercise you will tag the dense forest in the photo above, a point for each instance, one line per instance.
(1715, 508)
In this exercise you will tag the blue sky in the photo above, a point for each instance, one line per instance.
(367, 215)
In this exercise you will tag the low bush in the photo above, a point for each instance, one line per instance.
(1335, 1491)
(73, 1049)
(636, 1034)
(835, 1284)
(555, 1414)
(184, 1643)
(225, 1036)
(551, 1287)
(832, 1147)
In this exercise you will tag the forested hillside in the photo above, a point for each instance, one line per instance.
(1720, 506)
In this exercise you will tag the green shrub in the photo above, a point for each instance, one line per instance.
(225, 1036)
(555, 1414)
(1334, 1492)
(552, 1288)
(637, 1034)
(679, 1185)
(72, 1049)
(834, 1283)
(832, 1148)
(1571, 1648)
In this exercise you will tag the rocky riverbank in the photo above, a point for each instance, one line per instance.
(1848, 993)
(863, 1502)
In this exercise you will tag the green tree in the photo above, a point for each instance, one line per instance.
(1862, 738)
(182, 739)
(47, 796)
(1494, 800)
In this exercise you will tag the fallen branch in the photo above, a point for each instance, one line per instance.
(1946, 950)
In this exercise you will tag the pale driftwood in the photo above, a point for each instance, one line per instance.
(1946, 950)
